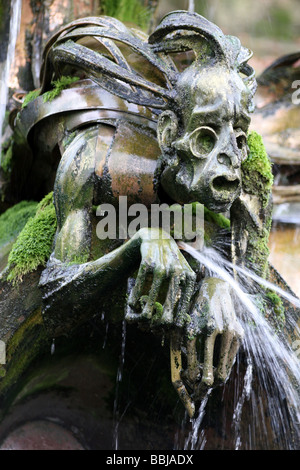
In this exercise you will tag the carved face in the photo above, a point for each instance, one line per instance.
(204, 158)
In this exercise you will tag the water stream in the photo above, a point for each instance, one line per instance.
(15, 18)
(275, 401)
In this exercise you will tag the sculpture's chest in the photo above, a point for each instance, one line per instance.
(103, 162)
(125, 162)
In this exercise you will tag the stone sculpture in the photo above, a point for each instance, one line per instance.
(162, 119)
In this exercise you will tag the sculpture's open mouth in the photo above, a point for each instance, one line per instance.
(225, 184)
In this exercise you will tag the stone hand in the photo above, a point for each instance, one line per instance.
(164, 284)
(214, 314)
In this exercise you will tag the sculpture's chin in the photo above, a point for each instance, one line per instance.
(220, 203)
(219, 207)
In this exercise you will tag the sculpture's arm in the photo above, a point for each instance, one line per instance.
(70, 292)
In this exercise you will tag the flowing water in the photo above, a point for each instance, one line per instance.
(15, 17)
(271, 363)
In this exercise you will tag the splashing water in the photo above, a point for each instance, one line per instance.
(15, 18)
(272, 366)
(237, 415)
(196, 438)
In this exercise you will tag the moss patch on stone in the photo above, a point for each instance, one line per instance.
(257, 174)
(212, 217)
(278, 308)
(32, 95)
(14, 219)
(6, 156)
(59, 85)
(34, 244)
(258, 159)
(258, 250)
(218, 219)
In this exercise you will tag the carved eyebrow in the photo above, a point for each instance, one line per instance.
(206, 114)
(243, 119)
(210, 107)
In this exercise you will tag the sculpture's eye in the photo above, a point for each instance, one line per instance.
(202, 141)
(241, 141)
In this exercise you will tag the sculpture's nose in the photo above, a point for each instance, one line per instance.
(230, 159)
(226, 183)
(229, 153)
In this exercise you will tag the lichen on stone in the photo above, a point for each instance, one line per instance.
(34, 244)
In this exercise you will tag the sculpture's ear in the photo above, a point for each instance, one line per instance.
(167, 130)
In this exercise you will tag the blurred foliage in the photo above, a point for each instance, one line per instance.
(128, 11)
(279, 26)
(278, 19)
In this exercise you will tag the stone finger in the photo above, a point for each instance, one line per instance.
(208, 371)
(224, 365)
(187, 290)
(158, 278)
(137, 290)
(171, 299)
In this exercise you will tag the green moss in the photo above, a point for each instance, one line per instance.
(131, 11)
(212, 217)
(79, 259)
(34, 244)
(32, 95)
(258, 159)
(47, 201)
(257, 180)
(6, 155)
(58, 86)
(158, 308)
(218, 219)
(278, 308)
(257, 174)
(7, 159)
(257, 253)
(14, 219)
